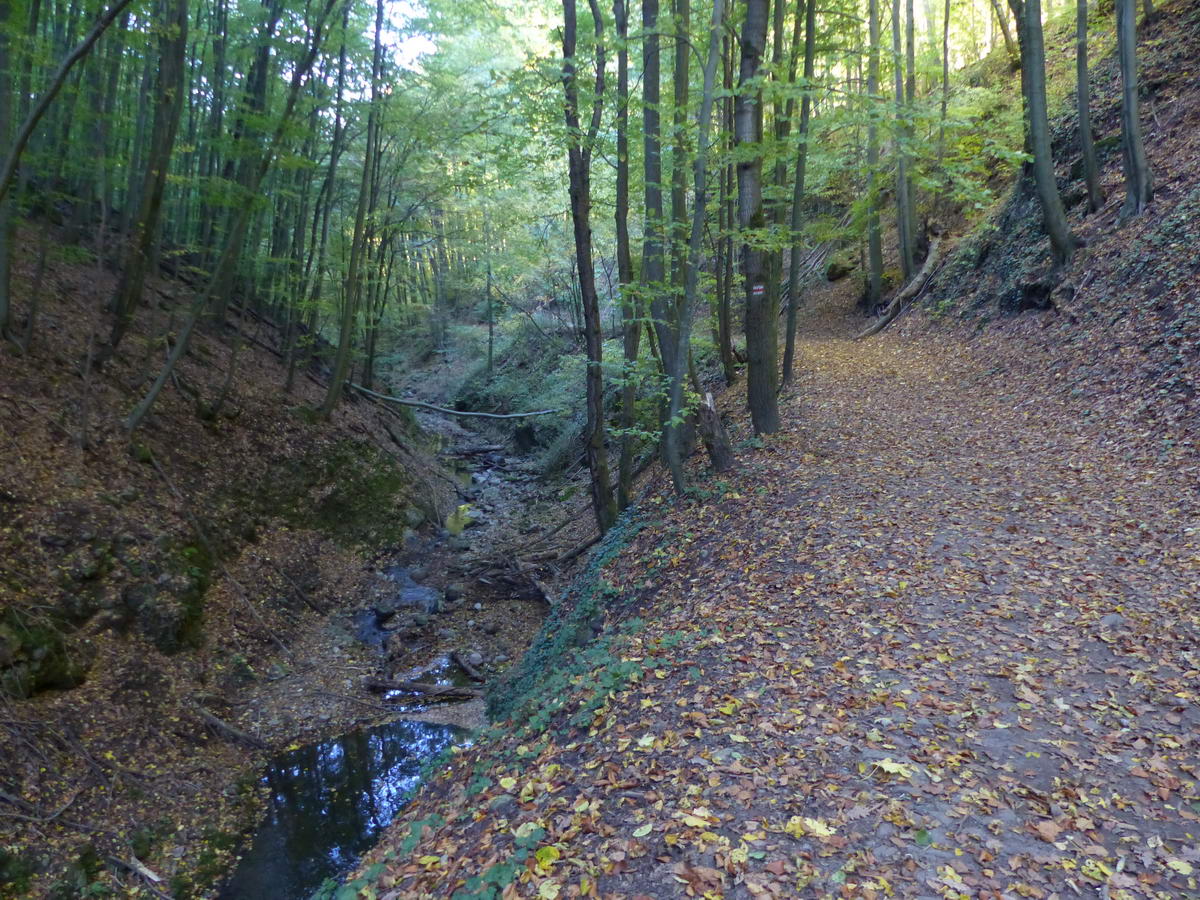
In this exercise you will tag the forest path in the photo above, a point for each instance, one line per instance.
(960, 630)
(956, 635)
(939, 637)
(982, 587)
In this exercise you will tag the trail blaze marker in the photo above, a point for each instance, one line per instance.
(758, 290)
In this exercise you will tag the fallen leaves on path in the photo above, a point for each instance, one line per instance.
(932, 641)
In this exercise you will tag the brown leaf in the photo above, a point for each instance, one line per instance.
(1048, 830)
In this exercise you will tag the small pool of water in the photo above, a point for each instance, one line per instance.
(329, 803)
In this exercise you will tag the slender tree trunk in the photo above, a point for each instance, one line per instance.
(56, 83)
(8, 224)
(682, 18)
(941, 146)
(1033, 68)
(1091, 171)
(657, 230)
(579, 165)
(653, 251)
(1010, 46)
(748, 127)
(169, 102)
(672, 436)
(630, 303)
(350, 300)
(789, 353)
(1138, 186)
(904, 218)
(233, 242)
(726, 219)
(874, 233)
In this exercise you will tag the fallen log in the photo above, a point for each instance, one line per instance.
(418, 404)
(910, 291)
(420, 687)
(459, 660)
(226, 730)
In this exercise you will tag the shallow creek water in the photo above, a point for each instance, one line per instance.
(330, 801)
(328, 804)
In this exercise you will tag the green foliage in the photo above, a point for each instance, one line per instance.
(15, 872)
(537, 687)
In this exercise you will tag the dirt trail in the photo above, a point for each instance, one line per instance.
(940, 638)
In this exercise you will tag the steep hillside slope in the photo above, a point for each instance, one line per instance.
(1121, 326)
(151, 590)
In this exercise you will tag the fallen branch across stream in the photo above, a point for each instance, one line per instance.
(450, 412)
(420, 687)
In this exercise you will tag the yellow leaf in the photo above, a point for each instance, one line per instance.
(739, 739)
(643, 830)
(1183, 868)
(800, 826)
(508, 782)
(547, 857)
(430, 860)
(892, 767)
(548, 890)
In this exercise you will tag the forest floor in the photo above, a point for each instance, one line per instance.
(939, 637)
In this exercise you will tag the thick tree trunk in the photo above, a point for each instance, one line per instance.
(1033, 70)
(760, 323)
(1138, 186)
(1091, 171)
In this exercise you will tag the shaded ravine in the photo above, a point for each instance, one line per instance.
(328, 802)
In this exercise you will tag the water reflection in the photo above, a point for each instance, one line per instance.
(328, 804)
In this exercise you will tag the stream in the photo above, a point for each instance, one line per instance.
(329, 802)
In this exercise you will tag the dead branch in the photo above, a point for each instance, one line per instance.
(450, 412)
(226, 730)
(571, 554)
(137, 867)
(459, 660)
(910, 291)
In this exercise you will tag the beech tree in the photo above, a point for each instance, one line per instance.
(579, 173)
(1033, 72)
(1138, 187)
(748, 130)
(1087, 144)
